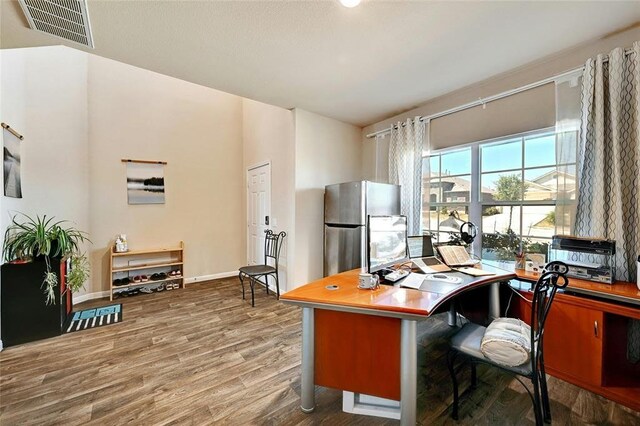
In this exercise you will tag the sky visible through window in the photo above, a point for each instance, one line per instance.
(540, 151)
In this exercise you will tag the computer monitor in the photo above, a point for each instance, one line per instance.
(386, 241)
(420, 246)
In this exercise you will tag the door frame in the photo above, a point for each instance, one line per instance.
(248, 202)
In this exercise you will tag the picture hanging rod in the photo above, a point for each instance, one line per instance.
(13, 132)
(127, 160)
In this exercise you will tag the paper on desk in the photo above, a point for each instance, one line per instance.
(475, 272)
(413, 281)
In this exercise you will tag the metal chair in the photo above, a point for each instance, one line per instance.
(467, 342)
(272, 245)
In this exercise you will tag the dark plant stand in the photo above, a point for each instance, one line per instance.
(24, 315)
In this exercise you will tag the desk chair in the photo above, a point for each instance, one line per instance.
(272, 245)
(468, 343)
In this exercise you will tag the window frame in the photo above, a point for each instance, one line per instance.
(438, 205)
(476, 205)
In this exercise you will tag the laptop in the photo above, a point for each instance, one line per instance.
(422, 255)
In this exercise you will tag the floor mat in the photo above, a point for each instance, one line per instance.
(96, 317)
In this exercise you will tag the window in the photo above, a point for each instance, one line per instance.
(446, 191)
(517, 180)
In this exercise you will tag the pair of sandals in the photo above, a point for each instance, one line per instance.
(140, 279)
(172, 286)
(175, 273)
(121, 281)
(159, 276)
(127, 292)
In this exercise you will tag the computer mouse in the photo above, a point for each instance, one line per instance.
(440, 276)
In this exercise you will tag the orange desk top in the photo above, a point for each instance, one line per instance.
(620, 290)
(387, 298)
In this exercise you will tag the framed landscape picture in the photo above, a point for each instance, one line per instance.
(145, 183)
(12, 178)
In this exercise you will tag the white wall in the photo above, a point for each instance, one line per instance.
(44, 97)
(327, 151)
(268, 135)
(81, 114)
(138, 114)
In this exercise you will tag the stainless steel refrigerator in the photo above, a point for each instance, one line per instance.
(346, 207)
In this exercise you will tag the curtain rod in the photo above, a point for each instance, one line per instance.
(484, 101)
(126, 160)
(13, 132)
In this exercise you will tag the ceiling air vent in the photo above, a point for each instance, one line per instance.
(67, 19)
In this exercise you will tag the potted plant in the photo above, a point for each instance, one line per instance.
(44, 238)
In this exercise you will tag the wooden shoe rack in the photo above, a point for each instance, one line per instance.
(136, 263)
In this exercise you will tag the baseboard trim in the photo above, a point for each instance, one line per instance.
(100, 294)
(89, 296)
(210, 277)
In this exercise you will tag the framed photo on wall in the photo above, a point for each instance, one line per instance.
(145, 182)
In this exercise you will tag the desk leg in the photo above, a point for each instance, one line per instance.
(308, 403)
(408, 372)
(494, 301)
(452, 316)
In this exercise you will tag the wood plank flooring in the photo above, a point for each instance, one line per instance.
(203, 356)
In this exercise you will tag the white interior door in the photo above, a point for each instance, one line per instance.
(258, 211)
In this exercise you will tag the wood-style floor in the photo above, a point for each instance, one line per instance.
(202, 356)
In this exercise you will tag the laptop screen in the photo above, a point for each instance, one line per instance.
(420, 246)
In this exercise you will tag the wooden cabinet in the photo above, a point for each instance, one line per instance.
(585, 343)
(155, 265)
(573, 339)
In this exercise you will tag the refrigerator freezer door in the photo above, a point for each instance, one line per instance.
(344, 204)
(343, 248)
(382, 199)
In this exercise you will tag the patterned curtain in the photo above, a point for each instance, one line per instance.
(609, 156)
(405, 168)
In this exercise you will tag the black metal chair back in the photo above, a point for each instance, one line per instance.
(544, 291)
(273, 246)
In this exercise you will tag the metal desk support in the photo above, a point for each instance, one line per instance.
(308, 403)
(408, 372)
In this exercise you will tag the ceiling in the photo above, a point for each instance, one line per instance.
(357, 65)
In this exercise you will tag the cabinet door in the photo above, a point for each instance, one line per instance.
(573, 339)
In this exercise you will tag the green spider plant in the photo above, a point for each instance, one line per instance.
(45, 237)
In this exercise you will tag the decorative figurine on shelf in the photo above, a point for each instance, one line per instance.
(121, 243)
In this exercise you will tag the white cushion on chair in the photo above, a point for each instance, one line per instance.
(507, 341)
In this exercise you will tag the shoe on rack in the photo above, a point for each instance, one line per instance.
(146, 290)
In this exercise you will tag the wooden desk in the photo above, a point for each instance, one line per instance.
(364, 341)
(586, 337)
